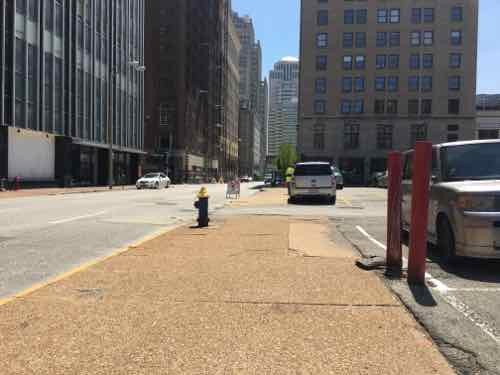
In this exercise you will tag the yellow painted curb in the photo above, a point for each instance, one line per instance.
(85, 266)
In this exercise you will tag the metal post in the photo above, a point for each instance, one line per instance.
(394, 251)
(419, 212)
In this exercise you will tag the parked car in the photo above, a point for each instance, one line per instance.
(383, 180)
(246, 179)
(339, 179)
(268, 178)
(374, 177)
(464, 210)
(313, 179)
(153, 181)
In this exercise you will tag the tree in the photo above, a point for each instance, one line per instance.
(287, 157)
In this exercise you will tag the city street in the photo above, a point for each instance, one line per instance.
(43, 236)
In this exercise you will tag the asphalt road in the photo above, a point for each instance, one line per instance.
(460, 308)
(44, 236)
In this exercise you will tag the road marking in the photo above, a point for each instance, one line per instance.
(76, 218)
(85, 266)
(453, 301)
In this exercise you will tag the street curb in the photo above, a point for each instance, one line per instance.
(87, 265)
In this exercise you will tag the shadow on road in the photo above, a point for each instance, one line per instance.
(422, 295)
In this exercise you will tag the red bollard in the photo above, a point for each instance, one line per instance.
(422, 160)
(394, 251)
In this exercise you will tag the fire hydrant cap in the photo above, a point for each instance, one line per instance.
(203, 193)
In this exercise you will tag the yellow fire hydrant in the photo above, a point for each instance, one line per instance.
(202, 205)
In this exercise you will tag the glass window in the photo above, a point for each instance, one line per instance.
(454, 83)
(394, 39)
(360, 62)
(415, 38)
(452, 138)
(428, 60)
(456, 37)
(347, 63)
(321, 63)
(381, 39)
(59, 18)
(428, 37)
(384, 137)
(426, 106)
(21, 6)
(455, 60)
(381, 61)
(361, 16)
(413, 106)
(348, 40)
(392, 106)
(428, 15)
(380, 83)
(322, 40)
(416, 15)
(413, 83)
(346, 84)
(379, 106)
(322, 18)
(415, 61)
(33, 10)
(348, 16)
(426, 83)
(319, 137)
(395, 15)
(345, 106)
(351, 136)
(49, 15)
(320, 86)
(454, 106)
(319, 106)
(359, 84)
(457, 14)
(392, 84)
(358, 106)
(382, 15)
(360, 40)
(393, 61)
(453, 128)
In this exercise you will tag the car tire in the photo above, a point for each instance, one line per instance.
(157, 185)
(333, 200)
(340, 187)
(167, 185)
(138, 187)
(446, 241)
(292, 200)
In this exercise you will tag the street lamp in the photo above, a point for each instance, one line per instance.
(138, 68)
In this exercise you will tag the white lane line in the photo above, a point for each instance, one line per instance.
(444, 290)
(76, 218)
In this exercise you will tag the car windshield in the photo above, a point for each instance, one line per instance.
(151, 175)
(313, 170)
(472, 162)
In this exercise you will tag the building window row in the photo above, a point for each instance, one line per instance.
(383, 39)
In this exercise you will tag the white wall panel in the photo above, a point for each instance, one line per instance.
(31, 155)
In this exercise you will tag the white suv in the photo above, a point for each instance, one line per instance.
(313, 179)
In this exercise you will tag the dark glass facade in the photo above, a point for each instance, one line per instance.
(66, 70)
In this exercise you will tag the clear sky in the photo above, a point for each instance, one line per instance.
(277, 26)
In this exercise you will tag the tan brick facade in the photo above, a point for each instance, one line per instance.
(329, 135)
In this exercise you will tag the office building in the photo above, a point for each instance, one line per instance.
(380, 75)
(488, 116)
(71, 82)
(263, 110)
(283, 104)
(186, 87)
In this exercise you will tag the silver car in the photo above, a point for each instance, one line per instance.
(464, 212)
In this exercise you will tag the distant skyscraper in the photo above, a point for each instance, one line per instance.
(283, 104)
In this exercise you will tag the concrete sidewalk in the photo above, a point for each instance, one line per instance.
(249, 295)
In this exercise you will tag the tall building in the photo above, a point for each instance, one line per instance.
(283, 104)
(232, 102)
(186, 86)
(380, 75)
(70, 86)
(250, 124)
(263, 110)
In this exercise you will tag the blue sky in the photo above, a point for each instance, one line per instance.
(277, 26)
